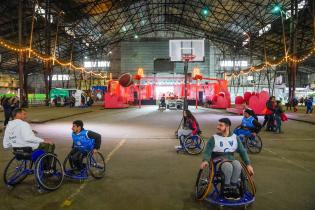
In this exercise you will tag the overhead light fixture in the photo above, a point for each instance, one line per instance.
(276, 8)
(205, 11)
(250, 78)
(136, 36)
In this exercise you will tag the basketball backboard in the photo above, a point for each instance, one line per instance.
(179, 48)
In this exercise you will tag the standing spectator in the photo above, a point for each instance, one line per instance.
(58, 102)
(55, 101)
(6, 110)
(82, 101)
(90, 101)
(66, 101)
(25, 102)
(15, 104)
(295, 103)
(289, 104)
(302, 100)
(309, 105)
(278, 111)
(2, 99)
(72, 101)
(269, 116)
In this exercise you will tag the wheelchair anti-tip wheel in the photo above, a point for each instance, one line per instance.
(204, 182)
(15, 171)
(49, 172)
(194, 145)
(96, 164)
(254, 144)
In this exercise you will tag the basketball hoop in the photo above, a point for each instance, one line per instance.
(188, 57)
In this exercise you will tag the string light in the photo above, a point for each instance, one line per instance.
(46, 58)
(267, 63)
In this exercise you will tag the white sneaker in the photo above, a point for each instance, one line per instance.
(178, 147)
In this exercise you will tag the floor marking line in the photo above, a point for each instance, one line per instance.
(122, 142)
(67, 202)
(288, 161)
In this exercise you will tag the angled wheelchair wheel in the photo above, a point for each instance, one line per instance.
(204, 182)
(49, 172)
(247, 184)
(254, 144)
(96, 165)
(68, 165)
(16, 171)
(194, 146)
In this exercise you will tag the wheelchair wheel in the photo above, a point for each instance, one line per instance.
(247, 184)
(96, 164)
(204, 182)
(49, 172)
(194, 146)
(67, 164)
(254, 144)
(15, 172)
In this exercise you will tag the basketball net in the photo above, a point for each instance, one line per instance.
(188, 57)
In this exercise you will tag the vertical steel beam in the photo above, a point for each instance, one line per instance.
(21, 54)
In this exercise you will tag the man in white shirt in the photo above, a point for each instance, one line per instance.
(19, 133)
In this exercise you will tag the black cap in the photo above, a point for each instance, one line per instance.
(226, 121)
(248, 111)
(78, 123)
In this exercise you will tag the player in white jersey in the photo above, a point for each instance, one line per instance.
(222, 146)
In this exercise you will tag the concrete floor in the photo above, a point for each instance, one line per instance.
(144, 172)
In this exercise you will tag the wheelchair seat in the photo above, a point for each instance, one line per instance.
(23, 153)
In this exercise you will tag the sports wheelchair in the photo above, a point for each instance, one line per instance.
(252, 143)
(210, 183)
(91, 163)
(46, 167)
(162, 107)
(192, 144)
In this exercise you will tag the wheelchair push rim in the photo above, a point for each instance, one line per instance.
(194, 146)
(16, 171)
(204, 182)
(251, 187)
(49, 172)
(96, 164)
(254, 144)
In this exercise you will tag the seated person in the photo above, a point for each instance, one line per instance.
(222, 146)
(250, 111)
(162, 101)
(83, 142)
(189, 127)
(249, 125)
(19, 133)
